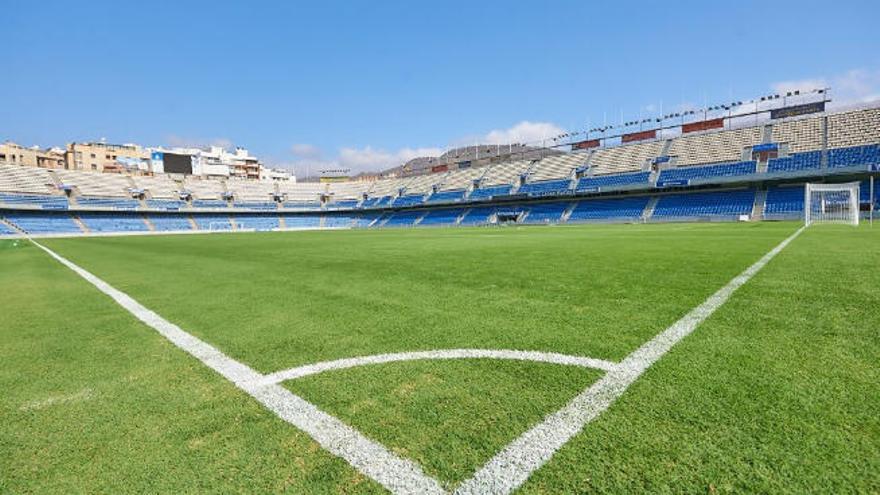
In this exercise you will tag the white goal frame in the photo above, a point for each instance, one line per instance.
(831, 203)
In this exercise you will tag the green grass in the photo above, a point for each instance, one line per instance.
(776, 392)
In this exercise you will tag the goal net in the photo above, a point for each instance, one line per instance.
(832, 203)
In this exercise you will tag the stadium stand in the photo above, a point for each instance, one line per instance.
(624, 158)
(344, 204)
(478, 216)
(118, 204)
(505, 173)
(112, 222)
(34, 222)
(348, 190)
(802, 134)
(4, 230)
(854, 156)
(854, 128)
(606, 210)
(251, 190)
(585, 184)
(204, 189)
(403, 219)
(408, 200)
(301, 221)
(338, 221)
(256, 205)
(26, 180)
(257, 222)
(784, 202)
(546, 212)
(212, 222)
(712, 147)
(557, 166)
(795, 162)
(159, 186)
(715, 205)
(170, 223)
(461, 179)
(95, 184)
(34, 200)
(166, 204)
(423, 184)
(490, 192)
(442, 217)
(446, 196)
(546, 187)
(708, 171)
(209, 203)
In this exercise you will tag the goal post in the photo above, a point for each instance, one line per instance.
(831, 203)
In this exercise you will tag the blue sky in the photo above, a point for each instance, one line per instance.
(366, 84)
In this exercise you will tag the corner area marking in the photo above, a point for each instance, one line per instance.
(508, 469)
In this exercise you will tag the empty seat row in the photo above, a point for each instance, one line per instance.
(708, 171)
(699, 205)
(612, 180)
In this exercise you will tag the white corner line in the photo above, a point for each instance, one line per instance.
(511, 467)
(398, 475)
(340, 364)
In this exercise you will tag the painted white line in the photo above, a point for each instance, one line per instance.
(370, 458)
(516, 462)
(339, 364)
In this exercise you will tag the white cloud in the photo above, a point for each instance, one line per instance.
(523, 132)
(305, 150)
(853, 86)
(371, 159)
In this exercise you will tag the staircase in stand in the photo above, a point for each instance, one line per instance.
(79, 223)
(567, 213)
(758, 206)
(648, 212)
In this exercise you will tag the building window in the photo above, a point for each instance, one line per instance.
(94, 167)
(93, 155)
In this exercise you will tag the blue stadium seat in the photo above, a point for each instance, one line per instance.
(167, 223)
(854, 156)
(624, 209)
(166, 204)
(4, 230)
(545, 212)
(784, 202)
(722, 204)
(478, 216)
(301, 205)
(45, 202)
(257, 222)
(609, 181)
(490, 192)
(301, 221)
(119, 204)
(337, 221)
(409, 200)
(546, 187)
(212, 222)
(112, 222)
(403, 218)
(708, 171)
(446, 196)
(442, 217)
(256, 205)
(209, 203)
(343, 204)
(43, 223)
(795, 162)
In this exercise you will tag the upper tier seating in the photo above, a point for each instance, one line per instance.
(209, 203)
(348, 190)
(713, 146)
(478, 216)
(714, 204)
(797, 161)
(166, 204)
(387, 187)
(97, 184)
(546, 187)
(256, 205)
(624, 158)
(854, 128)
(212, 222)
(490, 192)
(854, 156)
(442, 217)
(408, 200)
(623, 209)
(546, 212)
(446, 196)
(611, 181)
(376, 202)
(804, 134)
(204, 189)
(257, 222)
(159, 186)
(505, 172)
(708, 171)
(343, 204)
(423, 184)
(35, 200)
(302, 191)
(462, 179)
(35, 222)
(117, 203)
(4, 230)
(301, 205)
(166, 223)
(25, 180)
(301, 221)
(784, 202)
(250, 190)
(112, 222)
(557, 166)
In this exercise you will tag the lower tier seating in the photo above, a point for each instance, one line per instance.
(623, 209)
(403, 218)
(490, 192)
(710, 205)
(478, 216)
(168, 223)
(213, 222)
(257, 222)
(784, 202)
(546, 212)
(442, 217)
(112, 222)
(302, 221)
(43, 223)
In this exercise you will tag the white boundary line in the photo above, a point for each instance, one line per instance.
(503, 473)
(515, 463)
(339, 364)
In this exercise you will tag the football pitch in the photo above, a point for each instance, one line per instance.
(678, 358)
